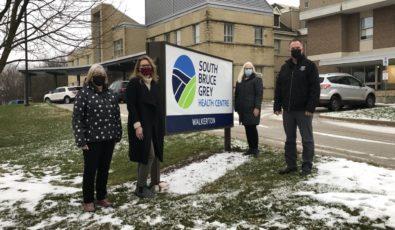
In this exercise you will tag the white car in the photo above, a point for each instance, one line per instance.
(339, 89)
(62, 94)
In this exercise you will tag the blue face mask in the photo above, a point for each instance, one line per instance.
(247, 72)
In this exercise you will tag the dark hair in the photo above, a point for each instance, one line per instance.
(295, 40)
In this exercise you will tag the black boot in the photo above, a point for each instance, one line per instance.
(249, 152)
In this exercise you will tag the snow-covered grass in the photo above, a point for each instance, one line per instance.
(209, 189)
(382, 113)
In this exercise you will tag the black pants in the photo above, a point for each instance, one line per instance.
(298, 120)
(96, 164)
(252, 136)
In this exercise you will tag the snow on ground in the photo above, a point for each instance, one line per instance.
(373, 128)
(364, 187)
(16, 186)
(359, 186)
(191, 178)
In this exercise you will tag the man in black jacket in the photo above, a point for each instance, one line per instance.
(297, 94)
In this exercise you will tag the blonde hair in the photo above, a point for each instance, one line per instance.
(95, 70)
(241, 73)
(137, 73)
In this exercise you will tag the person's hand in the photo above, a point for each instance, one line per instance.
(277, 112)
(139, 133)
(256, 112)
(85, 147)
(309, 114)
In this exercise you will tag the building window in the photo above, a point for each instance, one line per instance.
(366, 28)
(196, 34)
(258, 36)
(228, 33)
(118, 48)
(87, 59)
(166, 37)
(178, 37)
(277, 20)
(306, 4)
(277, 46)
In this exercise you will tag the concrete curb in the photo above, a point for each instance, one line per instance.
(364, 121)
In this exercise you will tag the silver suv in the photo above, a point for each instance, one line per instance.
(64, 94)
(339, 89)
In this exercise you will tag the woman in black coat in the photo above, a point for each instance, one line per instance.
(248, 100)
(145, 127)
(97, 127)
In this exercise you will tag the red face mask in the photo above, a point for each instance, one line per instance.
(146, 71)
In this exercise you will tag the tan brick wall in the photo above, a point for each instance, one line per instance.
(313, 4)
(134, 40)
(211, 21)
(384, 28)
(325, 35)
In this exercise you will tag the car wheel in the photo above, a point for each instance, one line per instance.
(47, 100)
(370, 101)
(66, 100)
(335, 103)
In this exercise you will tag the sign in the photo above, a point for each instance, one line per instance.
(385, 61)
(199, 91)
(385, 75)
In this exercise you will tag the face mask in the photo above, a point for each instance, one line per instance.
(146, 71)
(247, 72)
(98, 80)
(296, 53)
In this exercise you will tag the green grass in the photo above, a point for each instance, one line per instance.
(39, 139)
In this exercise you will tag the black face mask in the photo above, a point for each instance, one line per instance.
(98, 80)
(296, 53)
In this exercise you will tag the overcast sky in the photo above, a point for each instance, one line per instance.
(135, 8)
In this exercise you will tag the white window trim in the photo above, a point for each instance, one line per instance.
(228, 32)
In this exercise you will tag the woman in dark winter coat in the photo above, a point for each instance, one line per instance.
(97, 127)
(248, 100)
(145, 126)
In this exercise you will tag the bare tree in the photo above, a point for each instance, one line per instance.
(52, 25)
(11, 84)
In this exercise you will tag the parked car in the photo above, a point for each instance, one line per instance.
(16, 101)
(340, 89)
(119, 89)
(62, 94)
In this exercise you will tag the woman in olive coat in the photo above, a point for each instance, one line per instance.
(248, 100)
(145, 126)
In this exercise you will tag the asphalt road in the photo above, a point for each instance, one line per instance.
(339, 138)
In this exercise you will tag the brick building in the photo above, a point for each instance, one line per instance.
(352, 37)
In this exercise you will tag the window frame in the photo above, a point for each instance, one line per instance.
(277, 48)
(118, 48)
(178, 37)
(364, 28)
(276, 21)
(196, 34)
(228, 32)
(258, 39)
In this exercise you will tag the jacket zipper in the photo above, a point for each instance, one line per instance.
(290, 91)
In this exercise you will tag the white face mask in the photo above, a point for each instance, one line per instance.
(247, 72)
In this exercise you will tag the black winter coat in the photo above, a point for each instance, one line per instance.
(96, 116)
(144, 106)
(248, 95)
(297, 86)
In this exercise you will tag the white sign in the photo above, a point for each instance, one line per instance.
(385, 61)
(199, 91)
(385, 75)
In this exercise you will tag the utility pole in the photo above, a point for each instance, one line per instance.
(26, 65)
